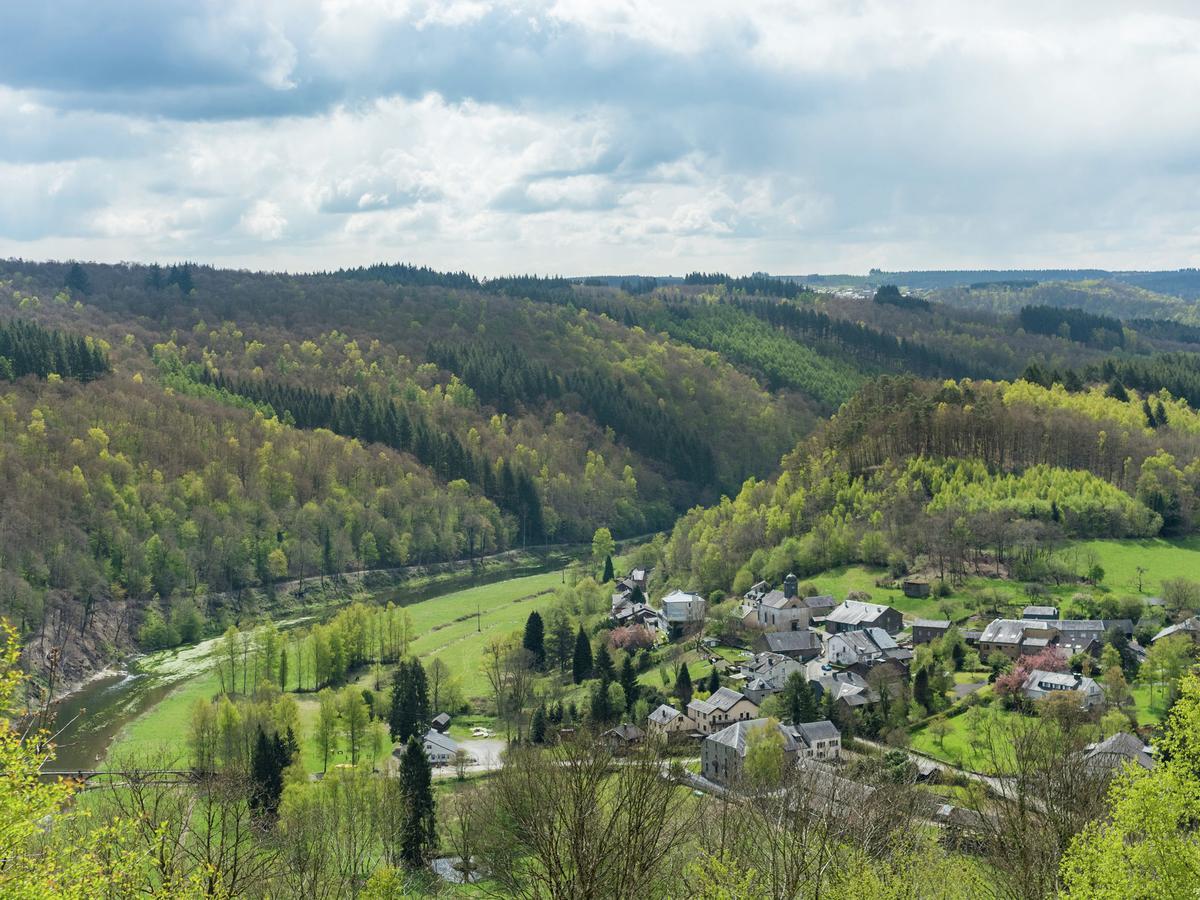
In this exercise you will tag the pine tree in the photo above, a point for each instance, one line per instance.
(921, 691)
(600, 709)
(629, 681)
(419, 835)
(683, 685)
(608, 569)
(534, 640)
(409, 713)
(77, 280)
(800, 699)
(604, 665)
(283, 672)
(714, 681)
(581, 667)
(268, 759)
(537, 727)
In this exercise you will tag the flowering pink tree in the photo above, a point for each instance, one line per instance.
(1049, 660)
(631, 637)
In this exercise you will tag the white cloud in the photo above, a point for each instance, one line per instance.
(584, 136)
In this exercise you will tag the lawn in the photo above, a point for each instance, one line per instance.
(956, 748)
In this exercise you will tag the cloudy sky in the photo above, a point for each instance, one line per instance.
(588, 136)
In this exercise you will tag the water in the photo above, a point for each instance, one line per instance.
(87, 720)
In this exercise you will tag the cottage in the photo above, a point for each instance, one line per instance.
(855, 615)
(722, 754)
(1040, 684)
(439, 748)
(722, 708)
(640, 577)
(623, 736)
(1109, 755)
(801, 645)
(849, 689)
(681, 609)
(867, 648)
(926, 630)
(667, 721)
(915, 587)
(441, 722)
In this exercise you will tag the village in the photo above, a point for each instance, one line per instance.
(835, 683)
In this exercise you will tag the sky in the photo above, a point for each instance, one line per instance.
(588, 136)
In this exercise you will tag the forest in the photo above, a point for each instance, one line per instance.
(175, 432)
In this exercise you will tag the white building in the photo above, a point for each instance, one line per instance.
(681, 608)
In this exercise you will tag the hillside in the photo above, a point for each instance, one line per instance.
(953, 476)
(171, 433)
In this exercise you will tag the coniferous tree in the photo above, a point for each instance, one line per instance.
(608, 569)
(268, 758)
(603, 664)
(77, 280)
(714, 681)
(409, 715)
(629, 681)
(419, 835)
(534, 640)
(581, 668)
(683, 685)
(921, 691)
(537, 726)
(283, 668)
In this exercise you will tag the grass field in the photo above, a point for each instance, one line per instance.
(454, 627)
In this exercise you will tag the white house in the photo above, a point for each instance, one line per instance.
(439, 748)
(1041, 684)
(681, 608)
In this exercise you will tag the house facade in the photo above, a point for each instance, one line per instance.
(926, 630)
(722, 754)
(439, 748)
(681, 609)
(666, 721)
(724, 707)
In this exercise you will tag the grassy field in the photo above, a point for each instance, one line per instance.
(454, 627)
(957, 747)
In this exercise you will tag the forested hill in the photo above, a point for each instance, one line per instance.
(949, 473)
(167, 433)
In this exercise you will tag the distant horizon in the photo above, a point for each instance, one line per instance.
(516, 273)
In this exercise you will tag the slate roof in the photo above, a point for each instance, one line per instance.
(1040, 612)
(792, 641)
(625, 732)
(442, 741)
(664, 715)
(1187, 626)
(775, 599)
(932, 623)
(1113, 751)
(811, 732)
(820, 601)
(854, 612)
(735, 735)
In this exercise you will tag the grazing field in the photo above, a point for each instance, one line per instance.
(454, 627)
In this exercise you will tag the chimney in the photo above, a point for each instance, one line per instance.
(790, 586)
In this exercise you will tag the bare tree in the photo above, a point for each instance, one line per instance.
(571, 822)
(1043, 794)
